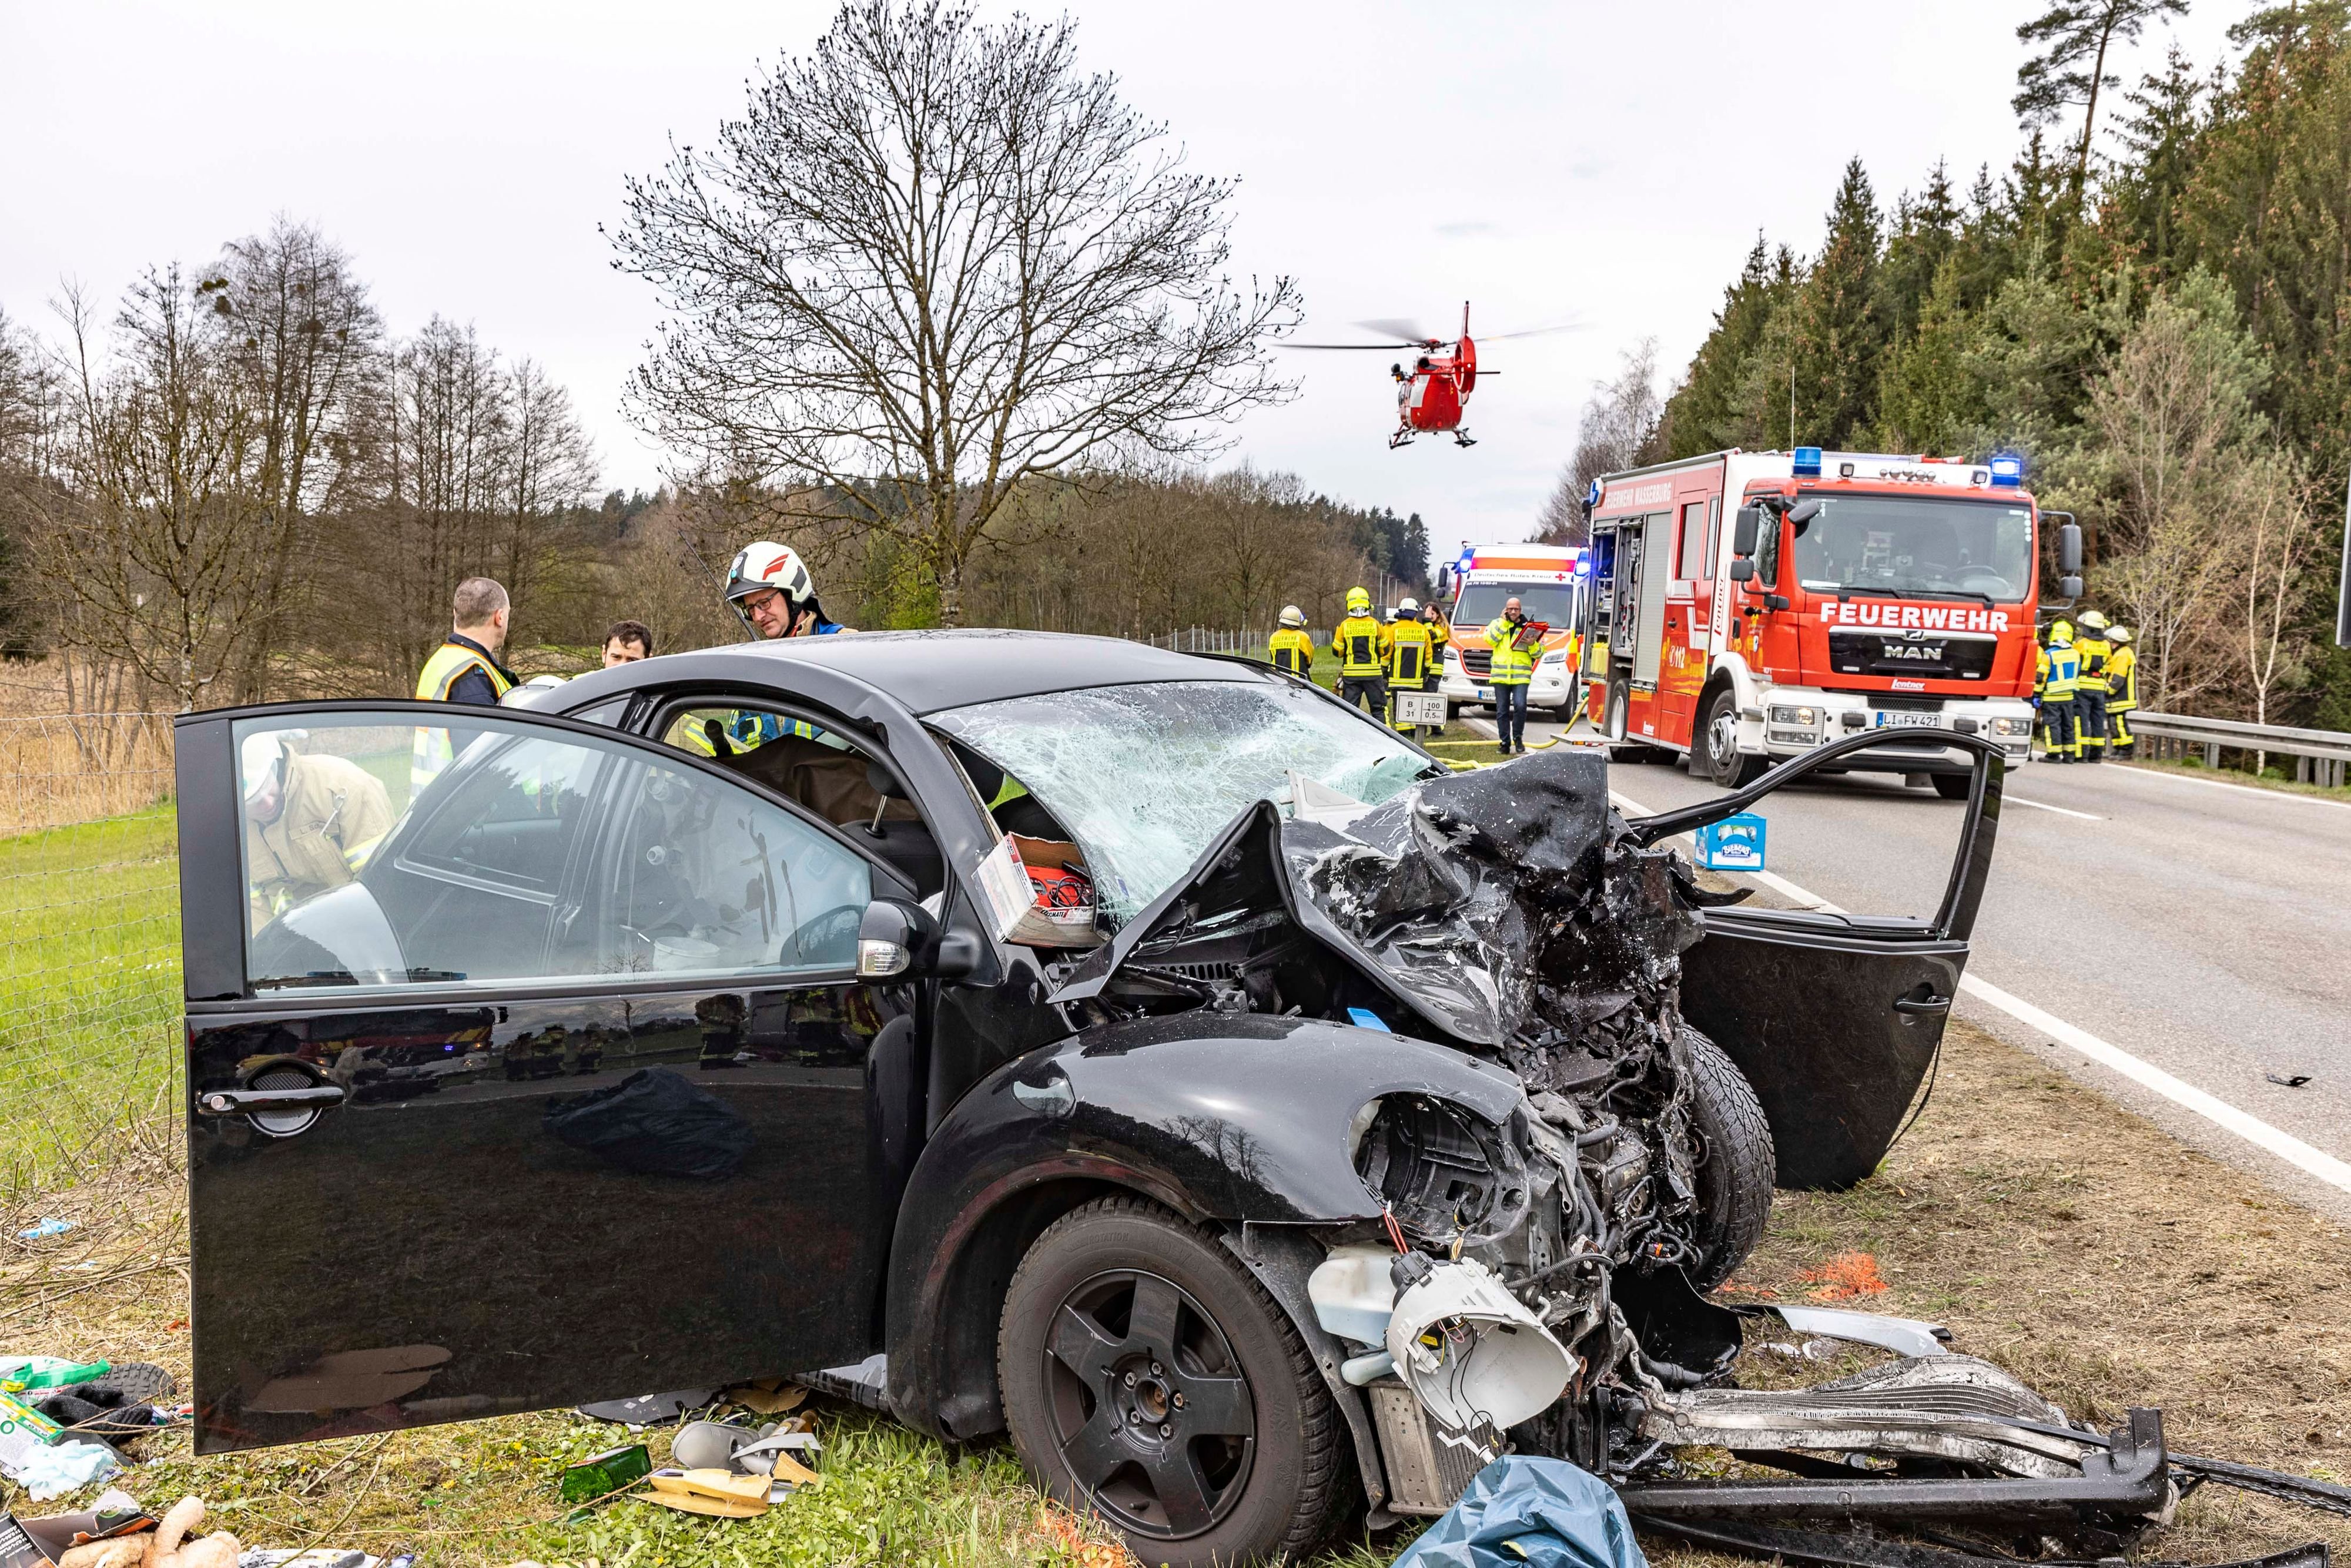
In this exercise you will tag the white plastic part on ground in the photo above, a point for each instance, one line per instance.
(1491, 1362)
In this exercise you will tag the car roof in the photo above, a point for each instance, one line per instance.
(928, 672)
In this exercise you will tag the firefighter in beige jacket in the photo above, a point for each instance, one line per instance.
(310, 822)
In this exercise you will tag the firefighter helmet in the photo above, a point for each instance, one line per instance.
(2093, 622)
(2061, 629)
(765, 564)
(2118, 635)
(1359, 601)
(1408, 605)
(260, 758)
(1292, 616)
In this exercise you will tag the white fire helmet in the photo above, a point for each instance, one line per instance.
(766, 564)
(1408, 605)
(1292, 616)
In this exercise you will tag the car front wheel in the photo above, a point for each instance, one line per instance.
(1149, 1380)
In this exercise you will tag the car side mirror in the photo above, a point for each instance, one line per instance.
(2069, 588)
(896, 940)
(1744, 529)
(1803, 512)
(1742, 571)
(1775, 602)
(901, 941)
(2069, 549)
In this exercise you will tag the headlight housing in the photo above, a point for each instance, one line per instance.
(1556, 656)
(1806, 717)
(2011, 727)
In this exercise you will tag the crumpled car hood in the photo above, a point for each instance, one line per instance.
(1508, 905)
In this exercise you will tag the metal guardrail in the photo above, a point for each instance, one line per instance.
(2321, 755)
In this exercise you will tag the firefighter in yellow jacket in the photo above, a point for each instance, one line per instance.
(310, 823)
(1411, 652)
(2091, 647)
(1293, 649)
(1361, 645)
(2122, 692)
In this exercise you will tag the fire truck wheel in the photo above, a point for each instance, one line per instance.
(1714, 748)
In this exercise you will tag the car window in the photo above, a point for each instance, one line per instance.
(382, 854)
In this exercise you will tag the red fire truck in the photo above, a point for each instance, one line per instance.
(1748, 606)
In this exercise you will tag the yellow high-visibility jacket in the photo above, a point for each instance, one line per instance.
(1292, 651)
(1361, 644)
(1513, 666)
(1411, 650)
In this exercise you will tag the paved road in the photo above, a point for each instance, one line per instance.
(2204, 927)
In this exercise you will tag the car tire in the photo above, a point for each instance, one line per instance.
(128, 1383)
(1266, 1473)
(1711, 748)
(1734, 1180)
(1953, 786)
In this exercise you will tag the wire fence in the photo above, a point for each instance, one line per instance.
(89, 937)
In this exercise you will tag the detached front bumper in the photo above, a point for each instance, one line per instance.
(1785, 722)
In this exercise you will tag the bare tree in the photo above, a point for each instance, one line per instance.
(548, 468)
(2174, 412)
(152, 541)
(300, 330)
(2279, 537)
(935, 261)
(1619, 422)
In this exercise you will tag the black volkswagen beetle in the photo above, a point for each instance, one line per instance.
(703, 1022)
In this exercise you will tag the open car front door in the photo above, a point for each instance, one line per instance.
(1836, 1017)
(526, 1065)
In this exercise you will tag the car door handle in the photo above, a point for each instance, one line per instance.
(239, 1102)
(1924, 1006)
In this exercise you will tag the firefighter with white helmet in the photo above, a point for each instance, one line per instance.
(2093, 648)
(773, 594)
(311, 819)
(1291, 648)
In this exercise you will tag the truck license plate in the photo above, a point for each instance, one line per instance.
(1896, 718)
(1419, 707)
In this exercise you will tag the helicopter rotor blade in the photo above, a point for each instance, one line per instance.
(1390, 327)
(1382, 348)
(1538, 332)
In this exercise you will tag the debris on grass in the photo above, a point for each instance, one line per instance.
(1843, 1277)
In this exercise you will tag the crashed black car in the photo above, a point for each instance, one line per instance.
(703, 1023)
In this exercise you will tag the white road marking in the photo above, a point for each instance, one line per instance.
(2219, 1112)
(2045, 806)
(2224, 784)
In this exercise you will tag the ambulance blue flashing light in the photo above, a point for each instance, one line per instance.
(1807, 462)
(2007, 470)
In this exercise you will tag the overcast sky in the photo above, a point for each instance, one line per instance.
(1608, 162)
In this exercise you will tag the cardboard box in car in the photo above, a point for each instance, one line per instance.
(1012, 896)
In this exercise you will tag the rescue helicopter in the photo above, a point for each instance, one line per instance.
(1431, 395)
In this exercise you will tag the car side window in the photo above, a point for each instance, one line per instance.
(1767, 551)
(379, 854)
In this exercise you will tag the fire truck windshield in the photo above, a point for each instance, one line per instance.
(1899, 545)
(1552, 604)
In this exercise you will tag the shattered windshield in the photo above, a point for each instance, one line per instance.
(1909, 544)
(1143, 776)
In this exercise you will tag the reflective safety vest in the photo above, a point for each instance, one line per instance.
(1513, 666)
(451, 660)
(432, 751)
(2040, 672)
(745, 729)
(1361, 644)
(1410, 652)
(2093, 652)
(2122, 680)
(1292, 651)
(2065, 672)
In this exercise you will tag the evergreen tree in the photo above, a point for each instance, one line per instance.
(1837, 332)
(1925, 231)
(1927, 400)
(2160, 134)
(2076, 39)
(1699, 416)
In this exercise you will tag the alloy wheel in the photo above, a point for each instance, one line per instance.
(1149, 1407)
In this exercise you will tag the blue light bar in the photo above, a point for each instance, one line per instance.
(1808, 461)
(2007, 470)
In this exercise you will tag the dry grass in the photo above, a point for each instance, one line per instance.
(2055, 1233)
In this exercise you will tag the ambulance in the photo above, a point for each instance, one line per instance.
(1550, 583)
(1745, 607)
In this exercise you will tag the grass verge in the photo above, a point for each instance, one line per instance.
(2055, 1233)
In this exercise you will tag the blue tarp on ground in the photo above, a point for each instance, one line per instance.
(1523, 1510)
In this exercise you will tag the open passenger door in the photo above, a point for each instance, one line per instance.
(1836, 1019)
